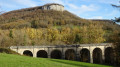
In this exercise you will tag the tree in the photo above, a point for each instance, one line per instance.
(116, 41)
(118, 7)
(91, 33)
(68, 35)
(11, 34)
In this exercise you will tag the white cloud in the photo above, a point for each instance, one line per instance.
(2, 5)
(96, 17)
(78, 10)
(114, 12)
(7, 5)
(109, 1)
(88, 8)
(72, 6)
(28, 3)
(53, 1)
(103, 1)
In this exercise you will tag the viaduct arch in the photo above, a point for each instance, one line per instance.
(85, 55)
(42, 54)
(109, 56)
(28, 53)
(97, 55)
(70, 54)
(93, 53)
(56, 54)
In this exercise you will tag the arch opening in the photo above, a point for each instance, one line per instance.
(28, 53)
(85, 55)
(70, 54)
(97, 56)
(56, 54)
(42, 54)
(109, 56)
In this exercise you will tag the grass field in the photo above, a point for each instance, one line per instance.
(9, 60)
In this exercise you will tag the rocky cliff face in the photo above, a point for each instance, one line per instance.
(53, 6)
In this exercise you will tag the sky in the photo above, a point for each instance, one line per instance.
(88, 9)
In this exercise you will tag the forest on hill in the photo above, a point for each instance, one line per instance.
(33, 26)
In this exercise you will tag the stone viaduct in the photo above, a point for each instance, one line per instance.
(93, 53)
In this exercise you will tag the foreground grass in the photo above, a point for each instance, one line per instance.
(9, 60)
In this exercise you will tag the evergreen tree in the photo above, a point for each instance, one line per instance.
(11, 34)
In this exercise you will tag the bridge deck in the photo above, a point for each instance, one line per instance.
(62, 46)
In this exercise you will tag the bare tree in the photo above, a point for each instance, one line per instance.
(118, 7)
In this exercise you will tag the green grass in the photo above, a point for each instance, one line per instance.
(10, 60)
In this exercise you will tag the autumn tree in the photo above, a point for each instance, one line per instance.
(52, 34)
(91, 33)
(67, 35)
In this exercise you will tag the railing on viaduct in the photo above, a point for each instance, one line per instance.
(93, 53)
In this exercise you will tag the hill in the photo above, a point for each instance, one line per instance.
(9, 60)
(37, 18)
(31, 26)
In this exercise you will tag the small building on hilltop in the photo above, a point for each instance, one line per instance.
(53, 6)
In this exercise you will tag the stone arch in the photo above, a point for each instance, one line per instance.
(85, 55)
(56, 54)
(97, 55)
(28, 53)
(109, 56)
(42, 54)
(70, 54)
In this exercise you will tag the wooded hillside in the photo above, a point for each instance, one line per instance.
(33, 26)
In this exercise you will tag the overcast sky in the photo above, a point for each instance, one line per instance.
(88, 9)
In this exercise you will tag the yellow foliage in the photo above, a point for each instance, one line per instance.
(31, 32)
